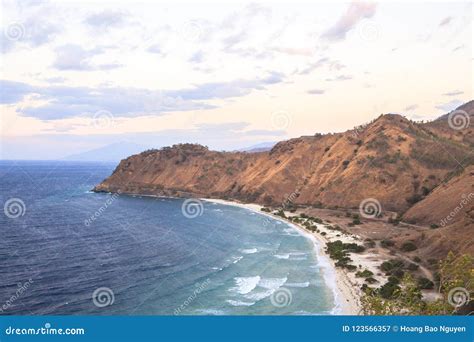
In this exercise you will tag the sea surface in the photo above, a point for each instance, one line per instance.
(65, 250)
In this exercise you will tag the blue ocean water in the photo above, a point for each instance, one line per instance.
(65, 250)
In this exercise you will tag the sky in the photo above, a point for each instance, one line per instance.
(79, 75)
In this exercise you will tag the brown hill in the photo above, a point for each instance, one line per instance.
(451, 207)
(449, 203)
(394, 160)
(462, 119)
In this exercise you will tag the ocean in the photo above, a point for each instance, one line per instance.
(68, 251)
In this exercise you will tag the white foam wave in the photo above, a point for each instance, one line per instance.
(282, 256)
(272, 283)
(256, 296)
(239, 303)
(304, 284)
(237, 259)
(248, 251)
(245, 284)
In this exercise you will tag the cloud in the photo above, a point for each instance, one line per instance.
(312, 66)
(234, 88)
(75, 57)
(106, 19)
(65, 102)
(445, 21)
(196, 57)
(32, 32)
(449, 106)
(454, 93)
(13, 92)
(411, 107)
(316, 91)
(339, 78)
(155, 48)
(294, 51)
(354, 13)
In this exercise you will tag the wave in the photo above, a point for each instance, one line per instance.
(282, 256)
(237, 259)
(248, 251)
(272, 283)
(239, 303)
(245, 284)
(304, 284)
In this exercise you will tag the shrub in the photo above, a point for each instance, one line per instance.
(408, 246)
(425, 283)
(371, 280)
(387, 243)
(364, 274)
(388, 290)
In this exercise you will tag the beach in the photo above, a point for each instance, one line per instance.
(346, 286)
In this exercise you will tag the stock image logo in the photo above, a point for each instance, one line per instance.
(280, 119)
(103, 119)
(459, 119)
(458, 296)
(192, 208)
(281, 297)
(103, 296)
(14, 31)
(370, 208)
(14, 208)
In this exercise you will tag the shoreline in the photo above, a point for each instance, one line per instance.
(346, 293)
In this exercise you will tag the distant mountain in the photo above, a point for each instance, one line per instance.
(109, 153)
(262, 147)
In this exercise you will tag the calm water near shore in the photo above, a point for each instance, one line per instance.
(142, 255)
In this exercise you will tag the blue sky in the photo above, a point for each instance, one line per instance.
(80, 75)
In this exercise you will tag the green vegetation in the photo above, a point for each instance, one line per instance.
(364, 274)
(387, 243)
(339, 251)
(408, 246)
(405, 297)
(425, 283)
